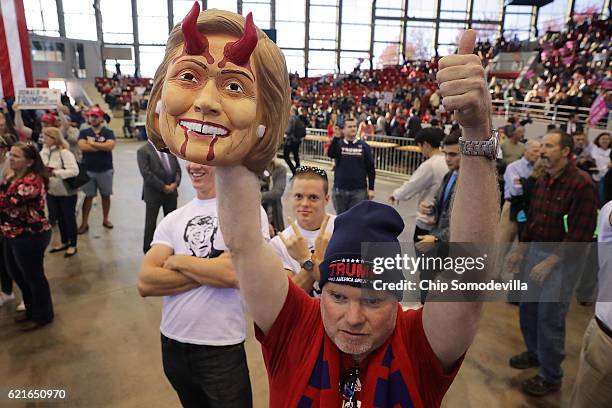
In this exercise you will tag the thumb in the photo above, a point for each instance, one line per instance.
(467, 42)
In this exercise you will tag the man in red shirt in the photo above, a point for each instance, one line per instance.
(356, 347)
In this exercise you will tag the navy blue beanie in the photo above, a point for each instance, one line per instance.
(366, 222)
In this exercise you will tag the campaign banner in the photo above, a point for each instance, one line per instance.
(37, 98)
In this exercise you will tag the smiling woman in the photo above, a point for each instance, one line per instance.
(222, 81)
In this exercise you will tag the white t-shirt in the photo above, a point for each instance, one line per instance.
(204, 315)
(290, 263)
(603, 308)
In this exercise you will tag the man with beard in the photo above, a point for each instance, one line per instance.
(564, 196)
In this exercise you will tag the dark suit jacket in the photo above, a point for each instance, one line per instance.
(442, 210)
(154, 174)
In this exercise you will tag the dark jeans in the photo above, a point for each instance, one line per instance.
(345, 199)
(24, 260)
(6, 282)
(294, 148)
(152, 209)
(63, 210)
(207, 376)
(543, 323)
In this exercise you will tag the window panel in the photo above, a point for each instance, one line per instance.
(389, 8)
(321, 60)
(261, 13)
(518, 22)
(486, 32)
(320, 31)
(127, 66)
(325, 44)
(290, 35)
(357, 11)
(588, 7)
(151, 8)
(490, 10)
(551, 17)
(385, 30)
(386, 54)
(229, 5)
(295, 61)
(421, 8)
(419, 40)
(323, 14)
(153, 30)
(349, 60)
(117, 21)
(180, 8)
(355, 37)
(41, 17)
(294, 10)
(453, 14)
(448, 37)
(150, 58)
(80, 19)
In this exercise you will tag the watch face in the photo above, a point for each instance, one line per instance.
(308, 265)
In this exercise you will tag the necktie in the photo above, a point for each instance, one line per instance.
(166, 163)
(448, 188)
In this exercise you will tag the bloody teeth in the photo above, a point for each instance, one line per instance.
(203, 129)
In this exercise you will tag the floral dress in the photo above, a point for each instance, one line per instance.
(22, 207)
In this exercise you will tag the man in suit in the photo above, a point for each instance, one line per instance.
(441, 207)
(161, 176)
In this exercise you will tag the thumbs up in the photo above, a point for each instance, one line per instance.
(463, 86)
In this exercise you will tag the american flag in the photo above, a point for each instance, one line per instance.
(598, 110)
(15, 62)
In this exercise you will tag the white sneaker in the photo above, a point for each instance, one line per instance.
(21, 307)
(4, 298)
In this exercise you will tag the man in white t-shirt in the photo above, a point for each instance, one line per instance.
(426, 180)
(202, 326)
(301, 246)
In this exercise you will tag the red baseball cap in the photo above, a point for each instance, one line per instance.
(95, 111)
(49, 118)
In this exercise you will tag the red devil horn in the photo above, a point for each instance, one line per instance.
(195, 43)
(240, 51)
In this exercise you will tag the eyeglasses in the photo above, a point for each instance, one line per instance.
(310, 169)
(350, 385)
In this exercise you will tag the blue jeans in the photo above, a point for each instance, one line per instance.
(543, 323)
(207, 376)
(345, 199)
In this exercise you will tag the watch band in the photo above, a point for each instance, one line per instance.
(485, 148)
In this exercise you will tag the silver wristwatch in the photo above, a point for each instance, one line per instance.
(485, 148)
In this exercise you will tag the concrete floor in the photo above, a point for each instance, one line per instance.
(103, 347)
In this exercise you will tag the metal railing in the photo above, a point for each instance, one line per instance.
(393, 156)
(555, 114)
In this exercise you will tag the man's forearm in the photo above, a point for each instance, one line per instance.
(215, 272)
(158, 281)
(263, 282)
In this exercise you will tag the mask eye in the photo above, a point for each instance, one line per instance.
(234, 87)
(188, 76)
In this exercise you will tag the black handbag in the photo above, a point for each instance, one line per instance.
(78, 180)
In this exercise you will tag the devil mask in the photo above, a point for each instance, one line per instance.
(224, 89)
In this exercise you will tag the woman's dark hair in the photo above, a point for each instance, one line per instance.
(596, 141)
(30, 152)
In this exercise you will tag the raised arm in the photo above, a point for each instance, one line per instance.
(261, 277)
(475, 207)
(19, 125)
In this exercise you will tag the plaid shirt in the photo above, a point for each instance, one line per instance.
(572, 193)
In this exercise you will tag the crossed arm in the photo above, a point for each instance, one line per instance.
(105, 146)
(164, 274)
